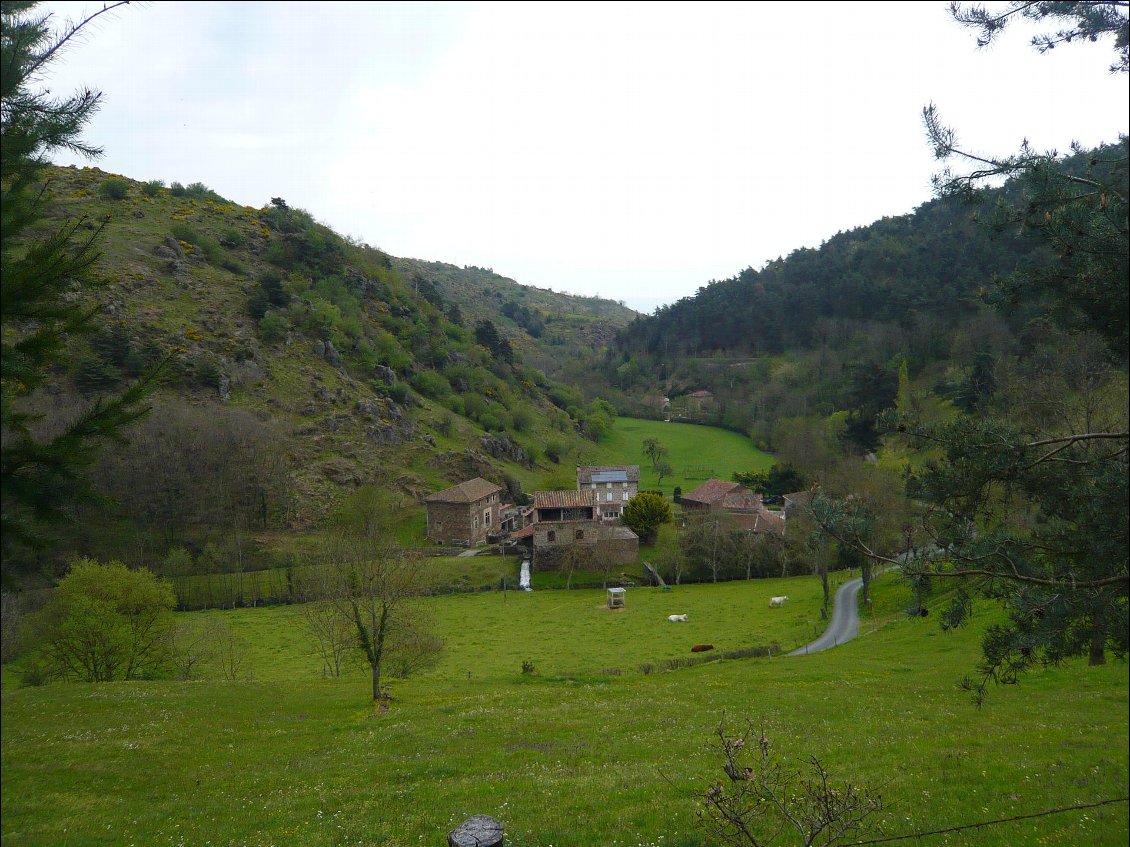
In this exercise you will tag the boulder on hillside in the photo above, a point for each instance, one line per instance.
(340, 471)
(501, 447)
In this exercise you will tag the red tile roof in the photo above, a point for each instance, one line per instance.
(719, 494)
(563, 499)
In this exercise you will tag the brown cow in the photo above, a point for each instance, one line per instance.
(702, 648)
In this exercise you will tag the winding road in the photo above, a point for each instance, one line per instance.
(845, 620)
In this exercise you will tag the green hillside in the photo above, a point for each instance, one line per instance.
(296, 367)
(547, 327)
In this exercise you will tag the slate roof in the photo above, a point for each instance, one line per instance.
(563, 499)
(465, 492)
(608, 473)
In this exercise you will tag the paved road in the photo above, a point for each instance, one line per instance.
(845, 620)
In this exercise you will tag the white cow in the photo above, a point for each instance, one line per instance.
(677, 618)
(776, 602)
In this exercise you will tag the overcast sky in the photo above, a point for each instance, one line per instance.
(633, 151)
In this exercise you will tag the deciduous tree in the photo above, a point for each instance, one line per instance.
(106, 622)
(372, 583)
(645, 513)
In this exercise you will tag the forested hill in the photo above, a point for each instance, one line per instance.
(547, 327)
(922, 269)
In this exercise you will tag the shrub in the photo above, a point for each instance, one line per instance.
(401, 392)
(34, 673)
(231, 264)
(431, 384)
(177, 190)
(198, 190)
(152, 188)
(114, 188)
(208, 370)
(184, 232)
(274, 326)
(233, 238)
(92, 372)
(645, 513)
(211, 248)
(490, 422)
(107, 622)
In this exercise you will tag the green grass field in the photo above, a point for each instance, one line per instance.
(588, 750)
(695, 453)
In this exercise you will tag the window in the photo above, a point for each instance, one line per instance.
(579, 534)
(486, 518)
(551, 536)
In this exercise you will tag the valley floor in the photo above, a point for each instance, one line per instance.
(585, 750)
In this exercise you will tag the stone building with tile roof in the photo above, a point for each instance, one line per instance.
(466, 513)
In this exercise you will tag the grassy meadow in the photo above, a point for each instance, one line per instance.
(589, 749)
(696, 453)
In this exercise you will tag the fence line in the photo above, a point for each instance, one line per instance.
(962, 827)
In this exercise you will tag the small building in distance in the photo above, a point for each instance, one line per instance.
(612, 487)
(719, 494)
(465, 513)
(746, 507)
(797, 501)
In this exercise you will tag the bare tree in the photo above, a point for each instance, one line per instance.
(333, 634)
(707, 543)
(191, 644)
(762, 798)
(230, 649)
(574, 557)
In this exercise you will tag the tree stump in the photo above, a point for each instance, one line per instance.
(477, 831)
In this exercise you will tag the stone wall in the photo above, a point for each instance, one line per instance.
(616, 544)
(456, 521)
(449, 523)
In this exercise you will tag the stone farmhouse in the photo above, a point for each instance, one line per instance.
(563, 519)
(746, 507)
(466, 513)
(613, 486)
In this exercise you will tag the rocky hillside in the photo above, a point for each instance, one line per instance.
(297, 366)
(548, 328)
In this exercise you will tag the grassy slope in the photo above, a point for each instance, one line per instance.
(569, 755)
(692, 450)
(203, 313)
